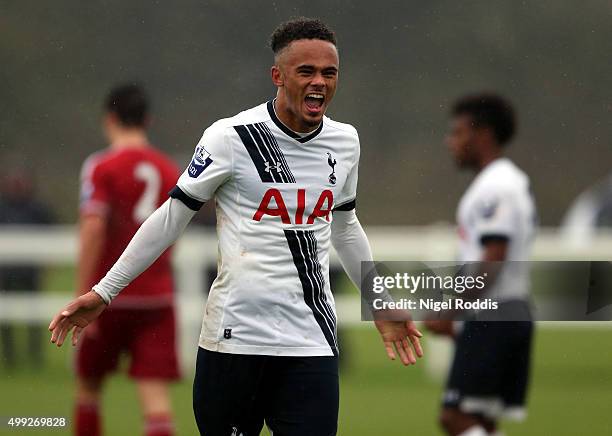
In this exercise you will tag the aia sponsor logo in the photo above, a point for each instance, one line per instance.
(273, 204)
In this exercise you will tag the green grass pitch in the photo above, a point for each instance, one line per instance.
(571, 390)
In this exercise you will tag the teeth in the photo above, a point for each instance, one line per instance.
(321, 96)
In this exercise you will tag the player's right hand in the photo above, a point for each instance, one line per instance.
(79, 313)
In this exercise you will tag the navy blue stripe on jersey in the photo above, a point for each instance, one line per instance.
(309, 249)
(316, 268)
(255, 154)
(287, 130)
(305, 259)
(270, 163)
(349, 205)
(310, 244)
(275, 165)
(191, 203)
(271, 141)
(265, 153)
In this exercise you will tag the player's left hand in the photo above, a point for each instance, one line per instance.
(400, 336)
(77, 315)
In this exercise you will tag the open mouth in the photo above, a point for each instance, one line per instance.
(314, 102)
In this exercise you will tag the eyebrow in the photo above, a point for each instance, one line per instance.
(331, 67)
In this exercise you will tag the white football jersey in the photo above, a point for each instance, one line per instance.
(274, 191)
(499, 204)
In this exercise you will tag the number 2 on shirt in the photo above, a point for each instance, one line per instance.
(147, 203)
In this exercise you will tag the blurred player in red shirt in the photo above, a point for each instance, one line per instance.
(121, 186)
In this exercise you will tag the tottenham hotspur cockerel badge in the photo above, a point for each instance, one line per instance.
(332, 163)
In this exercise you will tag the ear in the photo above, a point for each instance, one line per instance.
(108, 120)
(482, 135)
(277, 76)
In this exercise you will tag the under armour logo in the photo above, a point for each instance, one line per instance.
(332, 163)
(276, 167)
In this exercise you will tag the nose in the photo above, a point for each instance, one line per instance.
(318, 80)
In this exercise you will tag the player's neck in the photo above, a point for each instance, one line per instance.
(132, 138)
(487, 158)
(291, 122)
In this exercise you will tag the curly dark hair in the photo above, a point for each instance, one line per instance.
(489, 110)
(129, 102)
(300, 28)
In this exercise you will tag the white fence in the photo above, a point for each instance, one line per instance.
(196, 252)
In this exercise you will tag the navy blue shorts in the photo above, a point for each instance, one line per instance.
(235, 394)
(490, 371)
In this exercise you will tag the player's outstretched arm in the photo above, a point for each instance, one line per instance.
(153, 237)
(397, 330)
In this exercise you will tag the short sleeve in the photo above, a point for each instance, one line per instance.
(495, 216)
(95, 193)
(210, 167)
(347, 199)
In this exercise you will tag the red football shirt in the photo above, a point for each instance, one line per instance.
(126, 186)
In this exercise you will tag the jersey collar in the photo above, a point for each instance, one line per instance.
(287, 130)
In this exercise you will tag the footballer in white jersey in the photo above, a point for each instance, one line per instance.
(496, 216)
(498, 206)
(284, 178)
(274, 192)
